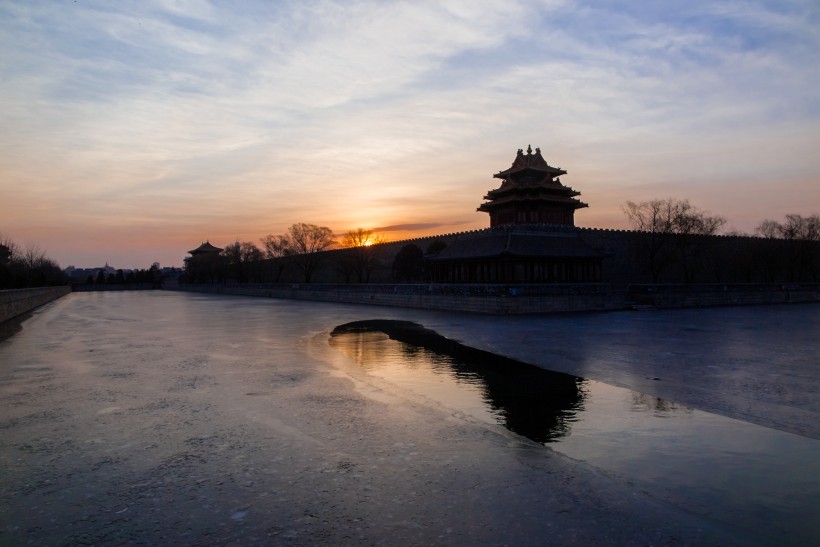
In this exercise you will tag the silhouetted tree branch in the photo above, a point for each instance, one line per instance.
(667, 228)
(28, 266)
(364, 252)
(243, 260)
(802, 251)
(306, 242)
(276, 247)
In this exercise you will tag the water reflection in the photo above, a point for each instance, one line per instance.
(761, 480)
(12, 326)
(533, 402)
(661, 408)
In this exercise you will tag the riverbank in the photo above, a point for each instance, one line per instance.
(16, 302)
(529, 299)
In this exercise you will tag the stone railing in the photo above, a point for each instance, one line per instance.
(523, 299)
(491, 299)
(720, 294)
(19, 301)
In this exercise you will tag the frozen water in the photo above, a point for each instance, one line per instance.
(766, 479)
(155, 417)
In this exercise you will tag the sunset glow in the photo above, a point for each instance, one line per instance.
(130, 133)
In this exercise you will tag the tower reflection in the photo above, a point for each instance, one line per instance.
(536, 403)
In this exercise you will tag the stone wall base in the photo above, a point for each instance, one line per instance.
(497, 300)
(717, 294)
(19, 301)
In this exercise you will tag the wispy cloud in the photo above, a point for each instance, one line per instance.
(195, 116)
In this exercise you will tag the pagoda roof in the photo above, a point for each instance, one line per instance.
(565, 200)
(205, 248)
(530, 161)
(546, 187)
(521, 243)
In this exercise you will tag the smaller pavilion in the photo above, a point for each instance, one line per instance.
(204, 264)
(205, 249)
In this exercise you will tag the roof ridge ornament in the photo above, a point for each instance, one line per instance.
(531, 192)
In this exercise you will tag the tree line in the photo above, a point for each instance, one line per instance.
(27, 266)
(142, 278)
(669, 242)
(246, 262)
(302, 250)
(673, 247)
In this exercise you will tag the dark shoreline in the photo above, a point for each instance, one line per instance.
(529, 299)
(16, 302)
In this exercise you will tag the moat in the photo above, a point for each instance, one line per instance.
(754, 476)
(166, 417)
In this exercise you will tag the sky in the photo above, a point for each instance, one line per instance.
(131, 132)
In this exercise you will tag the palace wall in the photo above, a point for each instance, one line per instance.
(638, 272)
(19, 301)
(637, 257)
(630, 258)
(718, 294)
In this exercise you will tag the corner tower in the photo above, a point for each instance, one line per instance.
(531, 193)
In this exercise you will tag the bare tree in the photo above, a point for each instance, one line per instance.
(251, 261)
(242, 258)
(250, 252)
(689, 225)
(794, 227)
(232, 253)
(27, 266)
(35, 264)
(667, 227)
(802, 252)
(306, 242)
(672, 216)
(276, 248)
(361, 237)
(653, 220)
(364, 252)
(32, 256)
(800, 227)
(768, 229)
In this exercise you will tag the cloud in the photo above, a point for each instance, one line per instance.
(409, 227)
(247, 119)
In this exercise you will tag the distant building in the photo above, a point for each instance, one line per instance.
(532, 236)
(82, 275)
(205, 249)
(204, 265)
